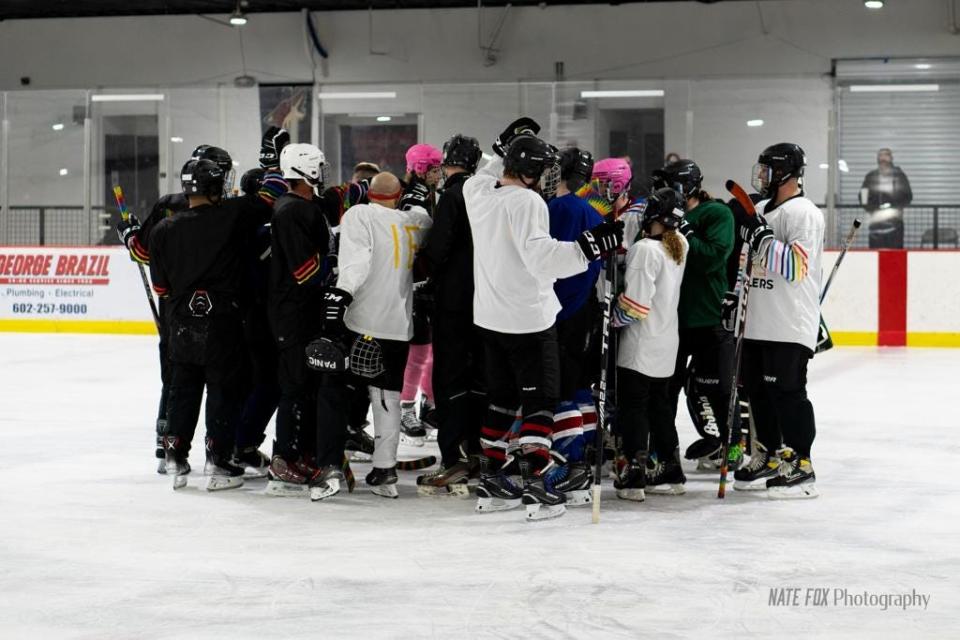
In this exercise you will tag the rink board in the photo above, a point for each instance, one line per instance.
(885, 298)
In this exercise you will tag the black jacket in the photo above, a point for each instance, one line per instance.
(450, 250)
(892, 188)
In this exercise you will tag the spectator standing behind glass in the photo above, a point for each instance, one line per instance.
(884, 193)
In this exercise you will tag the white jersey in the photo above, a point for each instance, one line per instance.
(377, 249)
(515, 261)
(649, 346)
(784, 304)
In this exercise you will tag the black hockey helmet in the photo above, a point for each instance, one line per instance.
(530, 158)
(665, 205)
(462, 151)
(777, 164)
(682, 175)
(576, 167)
(251, 180)
(202, 178)
(216, 154)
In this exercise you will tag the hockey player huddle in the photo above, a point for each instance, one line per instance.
(490, 292)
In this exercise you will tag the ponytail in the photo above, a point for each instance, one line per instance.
(673, 245)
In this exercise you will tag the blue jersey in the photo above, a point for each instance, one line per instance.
(571, 215)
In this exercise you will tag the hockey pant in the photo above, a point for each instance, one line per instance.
(645, 415)
(522, 370)
(775, 378)
(458, 382)
(203, 353)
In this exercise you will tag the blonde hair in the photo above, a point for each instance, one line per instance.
(673, 245)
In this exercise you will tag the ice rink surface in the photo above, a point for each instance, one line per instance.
(94, 544)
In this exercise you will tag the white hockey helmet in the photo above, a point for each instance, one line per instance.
(304, 162)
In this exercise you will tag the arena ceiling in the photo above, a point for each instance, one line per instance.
(34, 9)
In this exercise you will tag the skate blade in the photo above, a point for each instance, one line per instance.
(282, 489)
(797, 492)
(539, 511)
(360, 456)
(456, 490)
(755, 485)
(666, 490)
(220, 483)
(385, 490)
(491, 505)
(634, 495)
(324, 491)
(179, 482)
(578, 498)
(411, 441)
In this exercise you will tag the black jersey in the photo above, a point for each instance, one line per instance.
(165, 207)
(301, 247)
(197, 257)
(450, 250)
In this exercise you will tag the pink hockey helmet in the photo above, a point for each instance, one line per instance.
(422, 157)
(614, 176)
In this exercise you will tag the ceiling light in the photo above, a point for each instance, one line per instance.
(358, 95)
(63, 172)
(176, 139)
(824, 165)
(754, 123)
(880, 88)
(384, 118)
(237, 18)
(873, 4)
(127, 97)
(57, 127)
(842, 165)
(923, 66)
(623, 93)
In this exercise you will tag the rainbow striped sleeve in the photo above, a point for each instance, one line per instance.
(307, 270)
(627, 311)
(789, 260)
(272, 187)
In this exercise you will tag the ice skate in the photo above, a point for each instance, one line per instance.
(254, 462)
(754, 476)
(541, 498)
(160, 455)
(327, 483)
(176, 465)
(222, 473)
(574, 480)
(412, 432)
(712, 461)
(359, 443)
(666, 478)
(428, 418)
(446, 481)
(796, 479)
(284, 479)
(632, 480)
(496, 491)
(383, 482)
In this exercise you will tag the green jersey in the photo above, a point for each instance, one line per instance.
(705, 276)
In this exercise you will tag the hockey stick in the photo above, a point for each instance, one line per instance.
(843, 252)
(743, 277)
(610, 288)
(125, 215)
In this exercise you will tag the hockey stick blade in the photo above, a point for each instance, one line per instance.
(741, 196)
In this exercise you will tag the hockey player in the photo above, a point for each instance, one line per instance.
(611, 180)
(373, 298)
(575, 419)
(783, 314)
(135, 236)
(708, 228)
(301, 244)
(458, 359)
(196, 267)
(515, 262)
(647, 351)
(422, 179)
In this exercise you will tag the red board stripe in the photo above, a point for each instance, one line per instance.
(892, 298)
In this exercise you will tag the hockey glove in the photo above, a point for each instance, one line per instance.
(417, 194)
(127, 229)
(754, 230)
(335, 303)
(520, 126)
(272, 143)
(728, 311)
(602, 238)
(686, 229)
